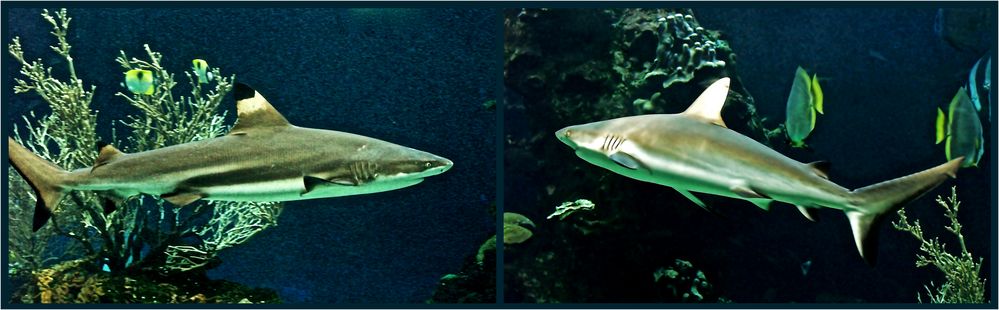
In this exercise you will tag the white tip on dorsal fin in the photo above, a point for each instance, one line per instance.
(253, 110)
(709, 104)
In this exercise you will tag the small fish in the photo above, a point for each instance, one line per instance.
(139, 81)
(877, 55)
(961, 130)
(806, 267)
(979, 83)
(805, 99)
(201, 70)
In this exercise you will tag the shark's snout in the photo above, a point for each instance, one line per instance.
(565, 135)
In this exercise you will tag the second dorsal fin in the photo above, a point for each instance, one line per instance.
(253, 111)
(106, 153)
(709, 104)
(821, 168)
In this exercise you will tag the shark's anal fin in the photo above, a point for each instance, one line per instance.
(253, 111)
(821, 168)
(708, 105)
(693, 198)
(106, 153)
(181, 199)
(625, 160)
(810, 213)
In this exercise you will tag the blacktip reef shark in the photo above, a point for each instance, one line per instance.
(694, 151)
(263, 158)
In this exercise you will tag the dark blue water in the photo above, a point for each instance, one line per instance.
(416, 77)
(878, 124)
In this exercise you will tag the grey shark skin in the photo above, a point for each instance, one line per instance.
(693, 151)
(263, 158)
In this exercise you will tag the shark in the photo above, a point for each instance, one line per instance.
(694, 151)
(263, 158)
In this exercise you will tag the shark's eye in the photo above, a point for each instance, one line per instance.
(568, 133)
(427, 164)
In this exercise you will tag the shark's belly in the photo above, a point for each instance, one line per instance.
(782, 180)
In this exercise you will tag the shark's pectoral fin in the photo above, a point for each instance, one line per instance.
(312, 182)
(708, 105)
(181, 199)
(747, 192)
(253, 111)
(821, 168)
(763, 203)
(812, 214)
(693, 198)
(625, 160)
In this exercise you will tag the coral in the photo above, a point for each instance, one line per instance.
(65, 137)
(685, 283)
(963, 285)
(566, 208)
(666, 48)
(135, 238)
(76, 282)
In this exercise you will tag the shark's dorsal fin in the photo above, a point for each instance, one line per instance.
(821, 168)
(106, 153)
(709, 104)
(253, 111)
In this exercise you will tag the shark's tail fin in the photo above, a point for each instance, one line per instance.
(44, 177)
(872, 203)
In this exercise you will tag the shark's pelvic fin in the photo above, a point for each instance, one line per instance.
(693, 198)
(709, 104)
(181, 199)
(253, 111)
(45, 178)
(872, 203)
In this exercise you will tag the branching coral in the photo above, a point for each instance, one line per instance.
(961, 271)
(137, 236)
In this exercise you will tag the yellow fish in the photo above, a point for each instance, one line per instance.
(961, 129)
(139, 81)
(805, 99)
(201, 70)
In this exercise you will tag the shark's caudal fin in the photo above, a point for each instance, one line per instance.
(873, 202)
(44, 177)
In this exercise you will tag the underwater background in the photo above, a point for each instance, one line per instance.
(415, 77)
(884, 72)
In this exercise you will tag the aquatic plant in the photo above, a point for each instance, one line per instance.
(514, 232)
(134, 237)
(567, 208)
(963, 284)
